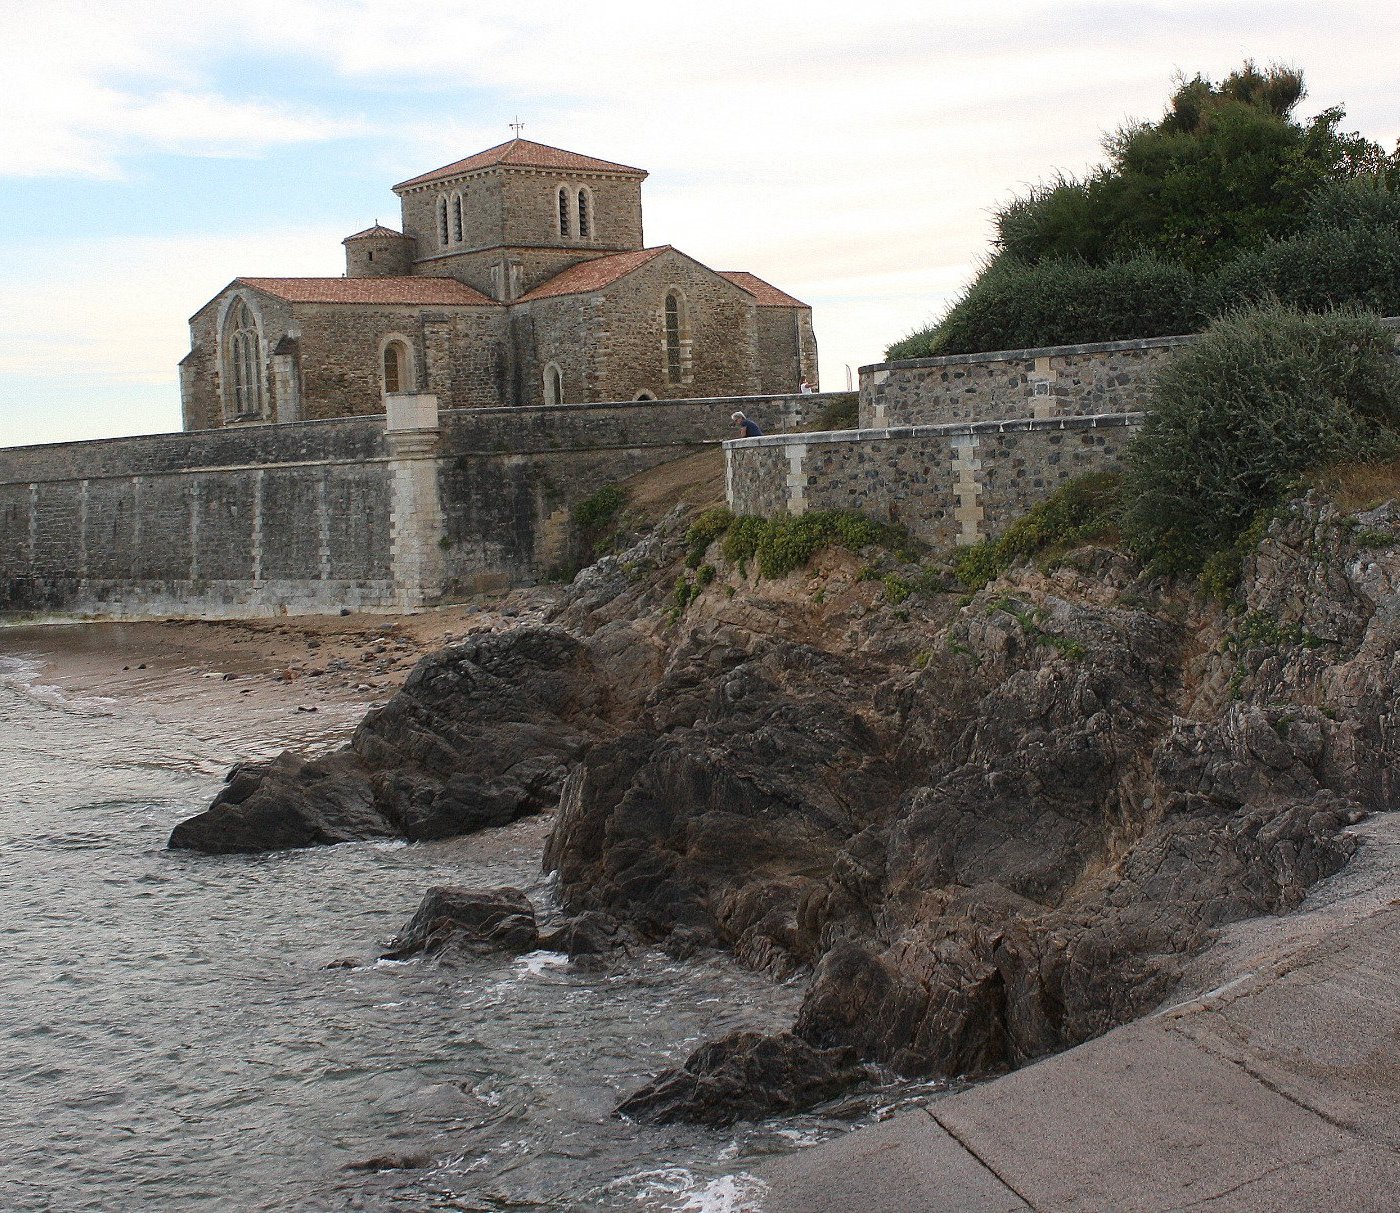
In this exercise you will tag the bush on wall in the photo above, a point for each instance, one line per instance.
(1266, 395)
(1228, 199)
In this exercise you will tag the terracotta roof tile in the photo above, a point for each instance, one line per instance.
(392, 289)
(522, 153)
(377, 230)
(593, 275)
(766, 293)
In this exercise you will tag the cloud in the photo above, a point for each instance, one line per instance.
(117, 310)
(851, 154)
(86, 86)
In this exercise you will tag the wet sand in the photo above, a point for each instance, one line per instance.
(293, 681)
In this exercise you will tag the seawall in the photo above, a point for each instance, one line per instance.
(371, 513)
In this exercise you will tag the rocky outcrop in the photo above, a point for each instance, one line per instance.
(289, 802)
(745, 1075)
(482, 733)
(989, 827)
(995, 828)
(468, 920)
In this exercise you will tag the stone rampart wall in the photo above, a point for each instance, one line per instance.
(949, 484)
(1056, 381)
(319, 515)
(1059, 381)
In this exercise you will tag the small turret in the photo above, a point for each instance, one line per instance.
(377, 252)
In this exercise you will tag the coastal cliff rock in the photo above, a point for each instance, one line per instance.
(480, 734)
(988, 826)
(744, 1075)
(471, 920)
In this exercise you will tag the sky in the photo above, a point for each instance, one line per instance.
(851, 153)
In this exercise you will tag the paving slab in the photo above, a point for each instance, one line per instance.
(1270, 1083)
(1138, 1121)
(1325, 1034)
(1362, 1180)
(906, 1163)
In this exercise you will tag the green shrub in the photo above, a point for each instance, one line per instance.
(1263, 397)
(1079, 511)
(843, 413)
(1227, 199)
(704, 531)
(896, 588)
(595, 512)
(1016, 305)
(784, 544)
(1327, 267)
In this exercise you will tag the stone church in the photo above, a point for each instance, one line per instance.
(520, 278)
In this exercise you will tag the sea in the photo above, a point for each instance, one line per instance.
(190, 1032)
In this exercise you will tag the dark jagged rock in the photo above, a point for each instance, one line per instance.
(480, 734)
(990, 828)
(745, 1076)
(473, 920)
(586, 934)
(288, 802)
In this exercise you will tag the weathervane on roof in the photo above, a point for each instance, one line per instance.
(517, 126)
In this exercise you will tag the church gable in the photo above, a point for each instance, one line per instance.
(654, 324)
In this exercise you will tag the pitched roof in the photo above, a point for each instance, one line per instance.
(377, 230)
(766, 293)
(593, 275)
(389, 289)
(523, 153)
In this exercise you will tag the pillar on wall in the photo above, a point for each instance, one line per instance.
(967, 488)
(437, 348)
(415, 520)
(286, 379)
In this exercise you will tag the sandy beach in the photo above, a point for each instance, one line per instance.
(300, 681)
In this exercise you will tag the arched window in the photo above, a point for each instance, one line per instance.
(563, 211)
(393, 367)
(675, 334)
(457, 218)
(644, 395)
(396, 365)
(442, 221)
(553, 384)
(585, 219)
(243, 367)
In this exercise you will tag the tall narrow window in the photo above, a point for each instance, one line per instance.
(553, 384)
(457, 217)
(563, 212)
(393, 367)
(442, 221)
(585, 225)
(242, 363)
(673, 338)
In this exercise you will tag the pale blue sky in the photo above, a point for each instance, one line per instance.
(850, 153)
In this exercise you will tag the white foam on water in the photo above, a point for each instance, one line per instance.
(535, 963)
(741, 1193)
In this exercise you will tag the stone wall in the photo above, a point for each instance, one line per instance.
(949, 484)
(320, 515)
(1058, 381)
(514, 212)
(719, 334)
(254, 520)
(787, 350)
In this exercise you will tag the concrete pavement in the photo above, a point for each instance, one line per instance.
(1269, 1083)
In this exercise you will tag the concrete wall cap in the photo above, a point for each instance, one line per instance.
(1092, 421)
